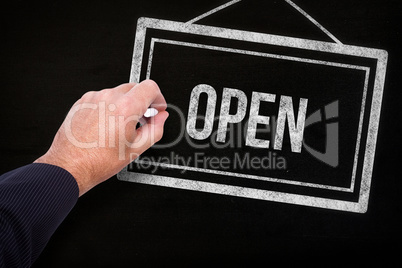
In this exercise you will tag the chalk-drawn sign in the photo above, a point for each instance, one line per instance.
(261, 116)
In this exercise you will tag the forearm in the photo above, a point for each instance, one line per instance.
(34, 200)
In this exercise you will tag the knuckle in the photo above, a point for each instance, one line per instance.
(88, 95)
(104, 91)
(151, 84)
(131, 84)
(123, 88)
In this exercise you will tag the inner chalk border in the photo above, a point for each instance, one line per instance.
(380, 55)
(268, 55)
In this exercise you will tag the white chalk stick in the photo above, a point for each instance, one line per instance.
(151, 112)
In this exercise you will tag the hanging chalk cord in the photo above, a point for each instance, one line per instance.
(291, 3)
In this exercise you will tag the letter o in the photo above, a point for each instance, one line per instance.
(193, 110)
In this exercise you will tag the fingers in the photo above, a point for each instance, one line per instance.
(150, 133)
(130, 103)
(105, 94)
(146, 94)
(124, 88)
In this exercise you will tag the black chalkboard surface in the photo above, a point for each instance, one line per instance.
(53, 52)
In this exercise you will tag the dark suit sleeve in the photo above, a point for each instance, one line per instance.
(34, 200)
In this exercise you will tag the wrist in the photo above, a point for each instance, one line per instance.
(80, 176)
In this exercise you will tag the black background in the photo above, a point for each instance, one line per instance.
(53, 52)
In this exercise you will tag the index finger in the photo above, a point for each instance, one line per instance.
(147, 94)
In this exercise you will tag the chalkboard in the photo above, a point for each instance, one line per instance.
(53, 52)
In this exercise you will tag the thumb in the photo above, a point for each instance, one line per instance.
(150, 133)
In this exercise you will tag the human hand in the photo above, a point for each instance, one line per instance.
(99, 137)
